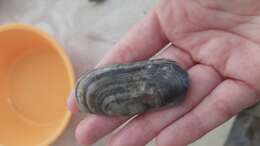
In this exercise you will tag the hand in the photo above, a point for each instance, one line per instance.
(217, 42)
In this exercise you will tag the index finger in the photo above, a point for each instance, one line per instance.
(142, 42)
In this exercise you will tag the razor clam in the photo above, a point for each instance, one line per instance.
(133, 88)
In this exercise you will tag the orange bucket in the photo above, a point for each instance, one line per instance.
(36, 77)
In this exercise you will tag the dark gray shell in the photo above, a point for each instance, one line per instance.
(129, 89)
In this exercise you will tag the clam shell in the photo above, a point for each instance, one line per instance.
(130, 89)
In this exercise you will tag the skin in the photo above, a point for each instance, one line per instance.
(217, 42)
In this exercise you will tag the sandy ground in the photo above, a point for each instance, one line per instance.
(87, 31)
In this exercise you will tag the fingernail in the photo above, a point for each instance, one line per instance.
(71, 103)
(81, 133)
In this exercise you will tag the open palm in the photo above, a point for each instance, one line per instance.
(217, 42)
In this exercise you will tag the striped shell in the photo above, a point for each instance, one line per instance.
(130, 89)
